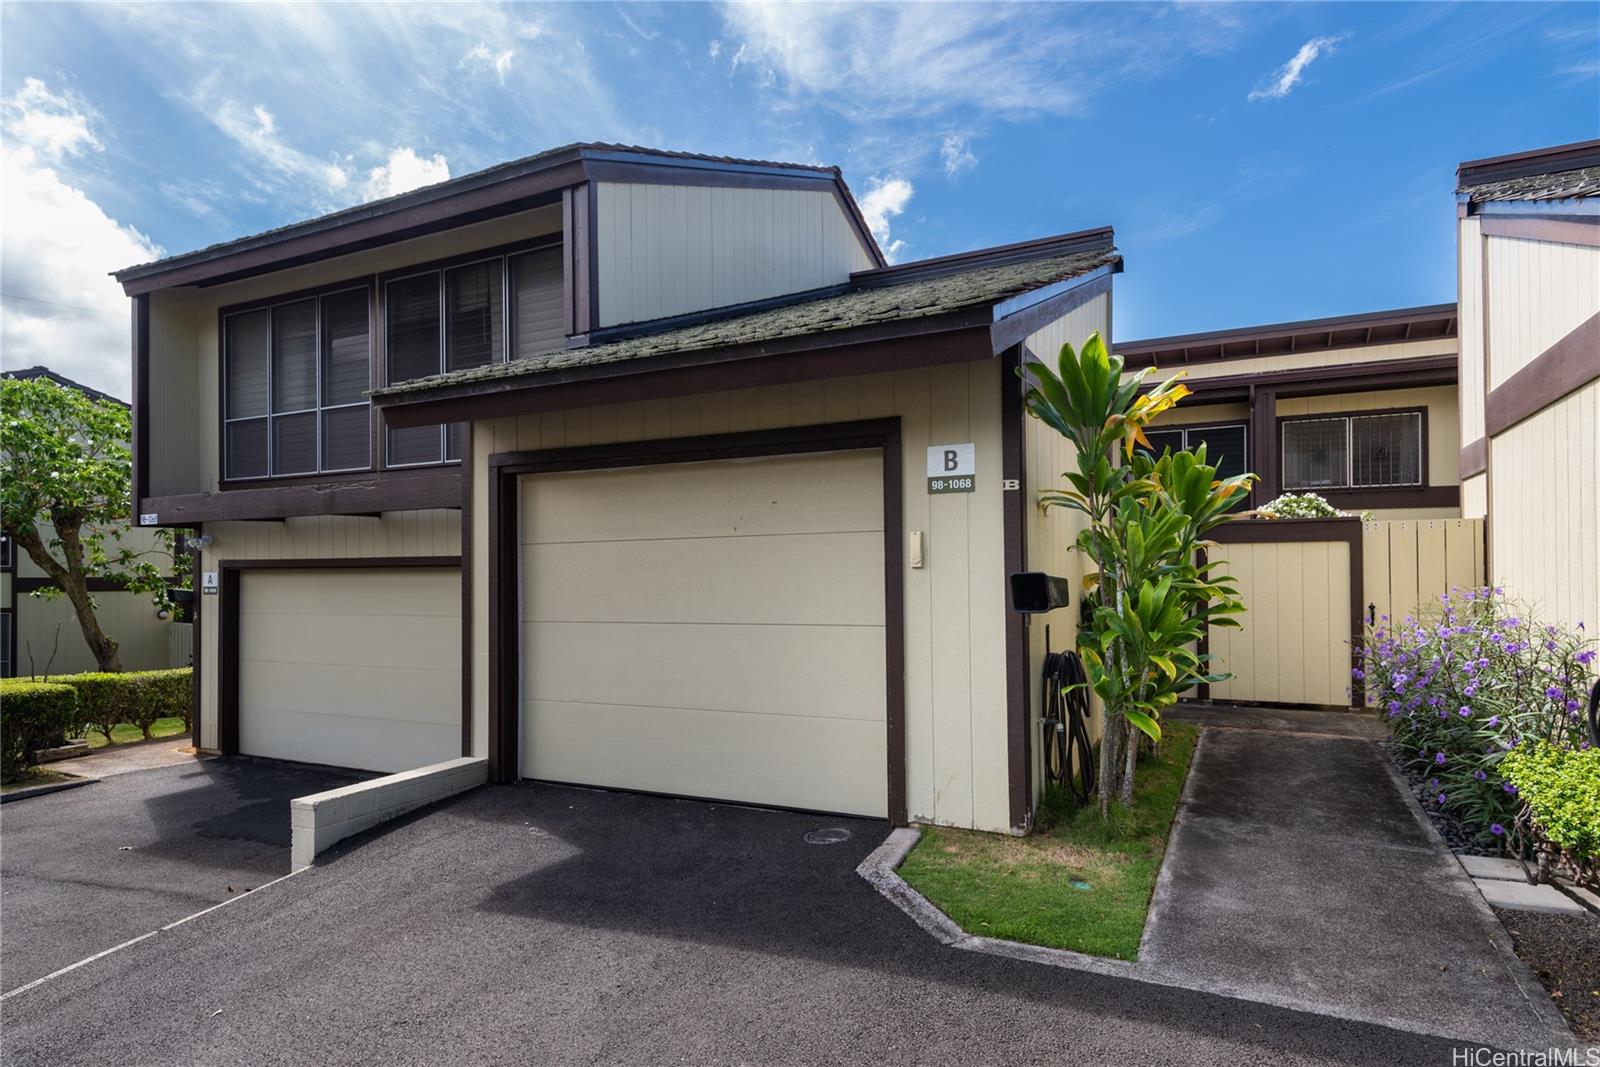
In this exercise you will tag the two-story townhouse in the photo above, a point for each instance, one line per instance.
(624, 468)
(1528, 245)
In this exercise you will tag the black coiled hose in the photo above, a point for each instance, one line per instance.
(1066, 725)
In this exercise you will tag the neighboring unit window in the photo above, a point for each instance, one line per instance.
(5, 552)
(294, 379)
(1353, 451)
(462, 317)
(1225, 445)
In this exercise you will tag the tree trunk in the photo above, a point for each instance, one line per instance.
(1127, 771)
(74, 584)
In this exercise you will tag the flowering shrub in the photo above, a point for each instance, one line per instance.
(1299, 506)
(1466, 682)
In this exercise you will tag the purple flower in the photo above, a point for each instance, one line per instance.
(1479, 775)
(1483, 664)
(1496, 829)
(1441, 798)
(1464, 711)
(1585, 657)
(1494, 720)
(1553, 692)
(1439, 759)
(1509, 788)
(1433, 783)
(1358, 674)
(1471, 690)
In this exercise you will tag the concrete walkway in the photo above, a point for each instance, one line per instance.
(1301, 873)
(137, 756)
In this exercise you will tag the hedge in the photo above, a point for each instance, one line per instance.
(32, 715)
(135, 697)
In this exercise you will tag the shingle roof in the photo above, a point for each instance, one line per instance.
(917, 298)
(1560, 185)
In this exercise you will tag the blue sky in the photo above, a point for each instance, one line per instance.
(1261, 162)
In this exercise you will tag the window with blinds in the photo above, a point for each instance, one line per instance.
(460, 317)
(1225, 445)
(1376, 451)
(295, 375)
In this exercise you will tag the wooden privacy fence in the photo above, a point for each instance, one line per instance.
(180, 644)
(1309, 585)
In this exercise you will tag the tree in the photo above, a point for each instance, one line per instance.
(1152, 597)
(65, 496)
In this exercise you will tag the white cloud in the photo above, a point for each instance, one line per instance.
(59, 306)
(403, 172)
(956, 154)
(714, 49)
(1278, 84)
(882, 202)
(500, 62)
(255, 130)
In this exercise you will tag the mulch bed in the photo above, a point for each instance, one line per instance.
(1562, 950)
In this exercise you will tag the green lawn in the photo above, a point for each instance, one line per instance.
(123, 733)
(1076, 883)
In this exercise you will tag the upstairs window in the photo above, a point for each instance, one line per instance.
(1225, 445)
(472, 315)
(1376, 451)
(295, 374)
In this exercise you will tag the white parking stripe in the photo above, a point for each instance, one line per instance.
(144, 937)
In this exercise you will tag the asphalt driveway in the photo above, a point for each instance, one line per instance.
(85, 869)
(537, 924)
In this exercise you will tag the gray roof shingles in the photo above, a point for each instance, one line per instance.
(1561, 185)
(914, 299)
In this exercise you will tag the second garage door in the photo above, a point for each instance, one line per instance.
(351, 668)
(709, 629)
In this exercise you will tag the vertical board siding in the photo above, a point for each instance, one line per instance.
(669, 249)
(1292, 646)
(1442, 346)
(49, 639)
(1537, 292)
(955, 745)
(1410, 563)
(1469, 326)
(177, 387)
(1049, 535)
(1544, 507)
(401, 533)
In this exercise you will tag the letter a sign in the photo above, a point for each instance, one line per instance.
(951, 468)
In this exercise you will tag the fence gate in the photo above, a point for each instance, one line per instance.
(1309, 585)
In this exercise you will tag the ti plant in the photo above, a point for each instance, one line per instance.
(1146, 526)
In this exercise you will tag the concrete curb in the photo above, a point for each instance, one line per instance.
(320, 820)
(44, 790)
(879, 869)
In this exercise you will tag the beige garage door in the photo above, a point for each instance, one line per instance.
(709, 629)
(351, 668)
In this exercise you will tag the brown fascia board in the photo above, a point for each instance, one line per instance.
(1430, 322)
(999, 255)
(499, 190)
(1521, 164)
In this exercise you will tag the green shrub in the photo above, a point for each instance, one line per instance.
(32, 715)
(1560, 791)
(137, 698)
(159, 694)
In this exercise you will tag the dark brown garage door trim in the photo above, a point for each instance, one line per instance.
(228, 635)
(505, 579)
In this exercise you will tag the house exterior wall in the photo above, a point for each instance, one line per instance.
(1541, 489)
(1338, 357)
(663, 250)
(1050, 534)
(955, 606)
(185, 352)
(406, 533)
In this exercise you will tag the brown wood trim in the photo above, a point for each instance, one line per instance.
(1261, 440)
(1563, 368)
(1576, 230)
(1401, 495)
(1343, 378)
(228, 636)
(410, 489)
(577, 280)
(1017, 327)
(466, 591)
(94, 585)
(698, 372)
(505, 470)
(1292, 531)
(1474, 457)
(368, 227)
(141, 402)
(1431, 322)
(196, 646)
(1014, 503)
